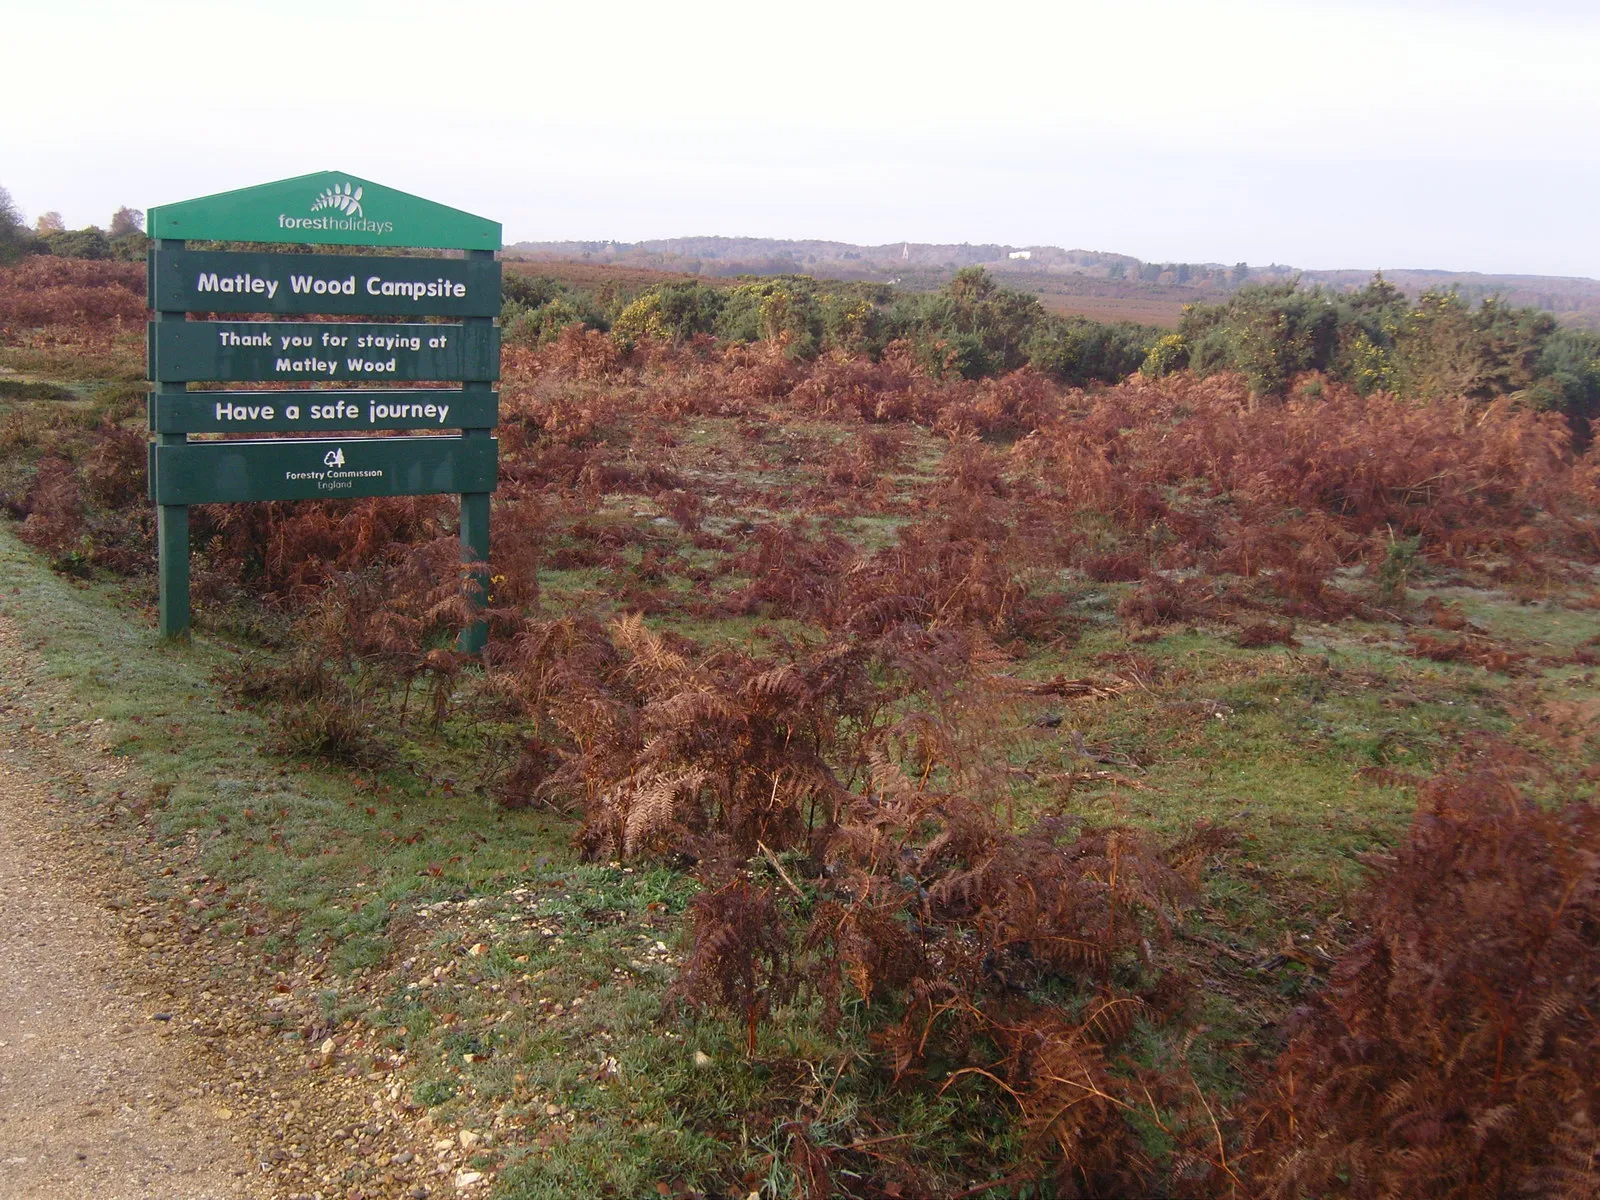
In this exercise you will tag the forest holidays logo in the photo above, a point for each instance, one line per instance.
(340, 208)
(346, 201)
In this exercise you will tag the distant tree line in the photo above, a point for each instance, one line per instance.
(123, 239)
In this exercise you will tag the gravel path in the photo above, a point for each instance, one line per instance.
(144, 1053)
(94, 1099)
(95, 1090)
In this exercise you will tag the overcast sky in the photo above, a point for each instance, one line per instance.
(1458, 134)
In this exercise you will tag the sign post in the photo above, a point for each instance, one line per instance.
(343, 459)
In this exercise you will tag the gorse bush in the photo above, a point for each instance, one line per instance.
(1375, 339)
(971, 329)
(536, 309)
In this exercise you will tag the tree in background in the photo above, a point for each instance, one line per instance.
(854, 319)
(50, 222)
(1377, 340)
(670, 312)
(125, 221)
(127, 239)
(687, 309)
(15, 241)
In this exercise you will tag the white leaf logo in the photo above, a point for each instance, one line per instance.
(347, 200)
(334, 458)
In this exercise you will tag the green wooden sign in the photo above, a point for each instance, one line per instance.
(323, 411)
(228, 351)
(341, 284)
(321, 469)
(326, 208)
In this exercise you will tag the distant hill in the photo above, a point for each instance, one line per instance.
(1096, 283)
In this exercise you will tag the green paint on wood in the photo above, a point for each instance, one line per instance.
(475, 557)
(325, 208)
(323, 469)
(232, 351)
(324, 411)
(333, 284)
(172, 552)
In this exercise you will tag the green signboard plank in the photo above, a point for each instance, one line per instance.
(335, 284)
(322, 469)
(267, 351)
(325, 208)
(323, 411)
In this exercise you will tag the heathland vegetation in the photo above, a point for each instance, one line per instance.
(1374, 339)
(927, 746)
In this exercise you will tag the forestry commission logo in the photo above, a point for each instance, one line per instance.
(333, 458)
(347, 200)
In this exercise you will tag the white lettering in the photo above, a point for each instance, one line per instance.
(243, 412)
(304, 366)
(309, 285)
(414, 289)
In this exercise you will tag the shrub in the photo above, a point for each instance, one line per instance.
(90, 243)
(1169, 354)
(1312, 484)
(1456, 1050)
(54, 513)
(336, 728)
(44, 290)
(114, 469)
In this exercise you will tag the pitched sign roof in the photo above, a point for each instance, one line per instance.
(329, 207)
